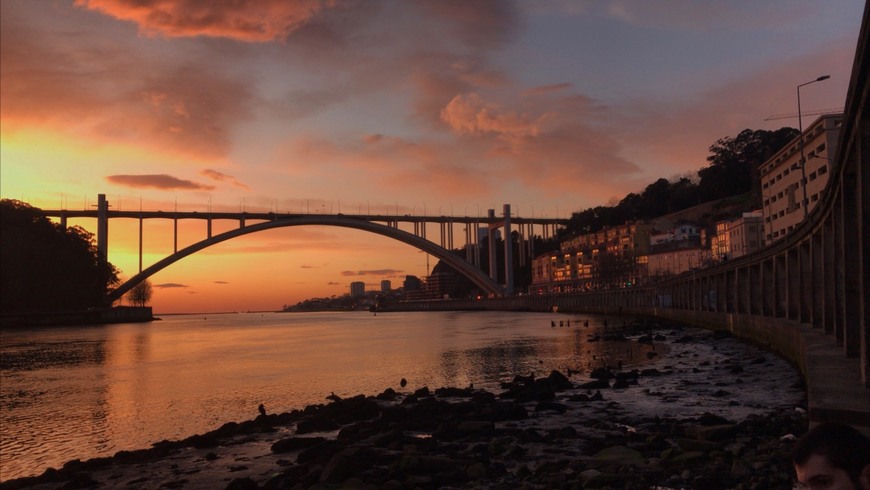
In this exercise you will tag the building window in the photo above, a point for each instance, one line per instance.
(813, 176)
(820, 148)
(823, 169)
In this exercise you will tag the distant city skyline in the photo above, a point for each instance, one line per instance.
(448, 107)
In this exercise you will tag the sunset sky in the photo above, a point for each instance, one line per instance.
(452, 107)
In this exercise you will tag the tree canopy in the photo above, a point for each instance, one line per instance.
(732, 171)
(48, 268)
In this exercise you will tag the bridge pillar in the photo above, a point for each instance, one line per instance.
(768, 289)
(508, 252)
(818, 280)
(103, 226)
(140, 243)
(805, 271)
(793, 291)
(493, 267)
(830, 268)
(854, 229)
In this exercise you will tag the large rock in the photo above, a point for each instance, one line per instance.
(620, 455)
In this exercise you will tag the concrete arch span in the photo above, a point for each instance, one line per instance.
(484, 282)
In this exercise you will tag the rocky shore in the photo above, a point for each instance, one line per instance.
(712, 413)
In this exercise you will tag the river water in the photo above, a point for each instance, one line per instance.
(84, 392)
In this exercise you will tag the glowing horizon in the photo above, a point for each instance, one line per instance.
(451, 107)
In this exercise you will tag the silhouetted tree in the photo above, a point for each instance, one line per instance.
(733, 171)
(140, 295)
(47, 267)
(734, 161)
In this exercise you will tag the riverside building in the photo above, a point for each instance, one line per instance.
(791, 188)
(610, 258)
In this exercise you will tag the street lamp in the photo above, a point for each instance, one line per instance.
(801, 130)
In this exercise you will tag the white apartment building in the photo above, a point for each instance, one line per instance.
(785, 185)
(738, 237)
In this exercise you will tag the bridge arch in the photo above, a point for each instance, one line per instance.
(484, 282)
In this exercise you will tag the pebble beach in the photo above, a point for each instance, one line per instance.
(706, 412)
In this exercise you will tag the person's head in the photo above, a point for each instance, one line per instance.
(833, 456)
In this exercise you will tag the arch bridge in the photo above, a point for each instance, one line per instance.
(382, 224)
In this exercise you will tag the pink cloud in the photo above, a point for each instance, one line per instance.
(103, 93)
(259, 21)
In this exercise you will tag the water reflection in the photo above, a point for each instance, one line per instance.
(91, 391)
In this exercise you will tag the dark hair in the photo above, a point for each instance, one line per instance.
(843, 446)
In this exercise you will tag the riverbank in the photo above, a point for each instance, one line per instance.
(712, 413)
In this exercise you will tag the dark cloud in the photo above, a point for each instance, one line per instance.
(221, 282)
(222, 177)
(548, 89)
(375, 272)
(333, 283)
(165, 182)
(481, 23)
(170, 285)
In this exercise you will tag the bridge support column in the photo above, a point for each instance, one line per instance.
(806, 271)
(830, 268)
(103, 226)
(493, 263)
(793, 290)
(818, 280)
(768, 288)
(854, 230)
(175, 234)
(508, 252)
(140, 243)
(781, 272)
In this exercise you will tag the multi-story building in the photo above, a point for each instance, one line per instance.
(386, 286)
(357, 289)
(745, 234)
(668, 261)
(680, 232)
(607, 258)
(675, 250)
(737, 237)
(791, 185)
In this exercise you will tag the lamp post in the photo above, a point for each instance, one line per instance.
(801, 130)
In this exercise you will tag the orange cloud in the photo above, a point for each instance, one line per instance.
(98, 92)
(468, 113)
(259, 21)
